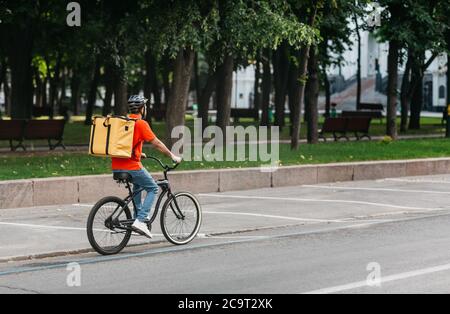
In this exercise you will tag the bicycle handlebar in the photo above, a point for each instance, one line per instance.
(164, 166)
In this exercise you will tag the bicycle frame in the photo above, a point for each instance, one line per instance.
(166, 191)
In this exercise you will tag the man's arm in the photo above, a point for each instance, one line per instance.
(156, 143)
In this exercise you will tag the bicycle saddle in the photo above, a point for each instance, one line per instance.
(122, 177)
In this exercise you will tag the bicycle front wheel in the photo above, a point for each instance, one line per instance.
(181, 218)
(106, 230)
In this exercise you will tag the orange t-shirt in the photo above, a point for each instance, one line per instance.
(142, 133)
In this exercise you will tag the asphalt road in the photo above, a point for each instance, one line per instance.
(386, 236)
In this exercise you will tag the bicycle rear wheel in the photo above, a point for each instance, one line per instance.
(181, 218)
(105, 232)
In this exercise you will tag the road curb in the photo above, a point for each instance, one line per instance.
(87, 189)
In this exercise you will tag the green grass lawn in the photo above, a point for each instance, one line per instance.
(76, 133)
(69, 164)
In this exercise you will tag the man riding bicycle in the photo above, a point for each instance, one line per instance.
(137, 107)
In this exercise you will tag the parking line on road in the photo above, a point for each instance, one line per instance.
(41, 226)
(327, 187)
(291, 199)
(253, 214)
(273, 216)
(67, 228)
(397, 277)
(417, 181)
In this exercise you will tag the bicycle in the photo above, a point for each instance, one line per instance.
(109, 224)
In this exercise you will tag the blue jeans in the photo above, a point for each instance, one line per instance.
(143, 180)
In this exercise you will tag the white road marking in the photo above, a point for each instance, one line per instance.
(67, 228)
(252, 214)
(397, 277)
(41, 226)
(272, 216)
(418, 181)
(373, 189)
(292, 199)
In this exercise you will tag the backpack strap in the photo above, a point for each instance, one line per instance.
(138, 143)
(134, 148)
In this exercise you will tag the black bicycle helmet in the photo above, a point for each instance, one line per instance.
(136, 102)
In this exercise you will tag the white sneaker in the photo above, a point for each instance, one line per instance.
(141, 228)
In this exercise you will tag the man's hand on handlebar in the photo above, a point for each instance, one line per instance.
(176, 159)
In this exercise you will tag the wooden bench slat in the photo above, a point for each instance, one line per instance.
(20, 130)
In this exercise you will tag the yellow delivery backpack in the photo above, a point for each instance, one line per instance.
(112, 136)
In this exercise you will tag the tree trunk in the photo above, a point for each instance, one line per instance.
(266, 88)
(92, 97)
(7, 92)
(327, 93)
(448, 76)
(63, 95)
(109, 90)
(358, 71)
(167, 70)
(121, 97)
(293, 91)
(303, 61)
(416, 88)
(75, 87)
(38, 89)
(404, 96)
(299, 96)
(223, 92)
(198, 91)
(257, 87)
(157, 105)
(205, 98)
(3, 81)
(393, 60)
(20, 45)
(54, 84)
(312, 99)
(281, 76)
(416, 101)
(150, 76)
(176, 106)
(44, 93)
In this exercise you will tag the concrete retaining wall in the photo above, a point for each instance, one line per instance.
(88, 189)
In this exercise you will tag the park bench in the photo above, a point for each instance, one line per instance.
(46, 130)
(359, 127)
(371, 106)
(363, 114)
(244, 113)
(370, 110)
(336, 126)
(339, 127)
(20, 130)
(12, 130)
